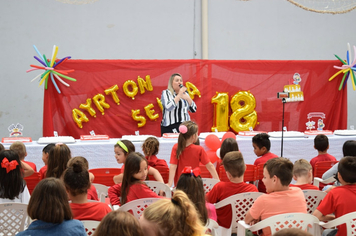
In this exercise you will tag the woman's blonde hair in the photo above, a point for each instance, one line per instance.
(170, 87)
(175, 217)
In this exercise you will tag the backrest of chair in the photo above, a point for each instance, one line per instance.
(240, 204)
(212, 227)
(105, 175)
(259, 174)
(164, 171)
(313, 199)
(157, 186)
(204, 172)
(32, 181)
(138, 206)
(12, 218)
(90, 226)
(208, 184)
(250, 174)
(322, 166)
(102, 191)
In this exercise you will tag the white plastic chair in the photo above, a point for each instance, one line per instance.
(209, 183)
(302, 221)
(102, 191)
(213, 227)
(318, 180)
(240, 204)
(90, 226)
(313, 199)
(157, 186)
(138, 206)
(13, 217)
(348, 219)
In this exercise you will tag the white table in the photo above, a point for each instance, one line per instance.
(101, 153)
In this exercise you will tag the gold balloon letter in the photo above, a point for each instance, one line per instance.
(136, 116)
(99, 101)
(79, 117)
(244, 115)
(142, 84)
(88, 107)
(113, 90)
(192, 90)
(221, 112)
(129, 93)
(159, 103)
(150, 112)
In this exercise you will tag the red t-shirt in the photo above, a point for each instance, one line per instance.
(340, 201)
(224, 190)
(136, 191)
(43, 172)
(90, 210)
(191, 156)
(305, 186)
(262, 160)
(92, 193)
(154, 162)
(33, 166)
(321, 157)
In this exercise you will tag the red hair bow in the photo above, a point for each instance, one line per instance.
(9, 166)
(189, 170)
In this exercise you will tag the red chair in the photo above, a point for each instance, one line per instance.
(322, 166)
(164, 171)
(32, 181)
(105, 175)
(249, 175)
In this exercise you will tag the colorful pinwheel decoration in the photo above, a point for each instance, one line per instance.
(347, 68)
(49, 69)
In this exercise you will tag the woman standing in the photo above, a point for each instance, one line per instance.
(176, 104)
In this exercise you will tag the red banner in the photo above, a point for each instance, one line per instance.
(111, 109)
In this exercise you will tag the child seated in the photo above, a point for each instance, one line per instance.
(321, 144)
(277, 175)
(340, 200)
(150, 148)
(76, 181)
(228, 145)
(235, 168)
(303, 174)
(45, 154)
(28, 168)
(261, 146)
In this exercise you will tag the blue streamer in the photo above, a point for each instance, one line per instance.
(55, 84)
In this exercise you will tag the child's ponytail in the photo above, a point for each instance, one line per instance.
(186, 130)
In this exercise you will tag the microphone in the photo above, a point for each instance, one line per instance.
(181, 86)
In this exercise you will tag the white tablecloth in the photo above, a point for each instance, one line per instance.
(101, 153)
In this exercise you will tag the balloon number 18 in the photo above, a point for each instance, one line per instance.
(243, 115)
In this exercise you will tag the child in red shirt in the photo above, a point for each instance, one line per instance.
(303, 174)
(20, 149)
(235, 168)
(341, 199)
(45, 154)
(186, 153)
(150, 148)
(261, 146)
(321, 144)
(228, 145)
(132, 186)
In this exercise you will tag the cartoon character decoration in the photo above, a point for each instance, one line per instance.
(296, 78)
(321, 125)
(310, 125)
(15, 130)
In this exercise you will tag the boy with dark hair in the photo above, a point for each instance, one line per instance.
(261, 146)
(303, 175)
(321, 143)
(340, 200)
(235, 168)
(277, 175)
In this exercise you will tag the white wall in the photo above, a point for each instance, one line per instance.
(155, 29)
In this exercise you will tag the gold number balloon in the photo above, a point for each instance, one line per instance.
(244, 115)
(135, 114)
(221, 112)
(130, 94)
(79, 117)
(88, 108)
(99, 101)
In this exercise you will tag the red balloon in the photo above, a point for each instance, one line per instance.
(212, 156)
(213, 142)
(228, 135)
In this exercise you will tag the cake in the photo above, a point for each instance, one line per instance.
(137, 138)
(295, 93)
(250, 133)
(316, 132)
(345, 132)
(94, 137)
(170, 135)
(58, 139)
(286, 134)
